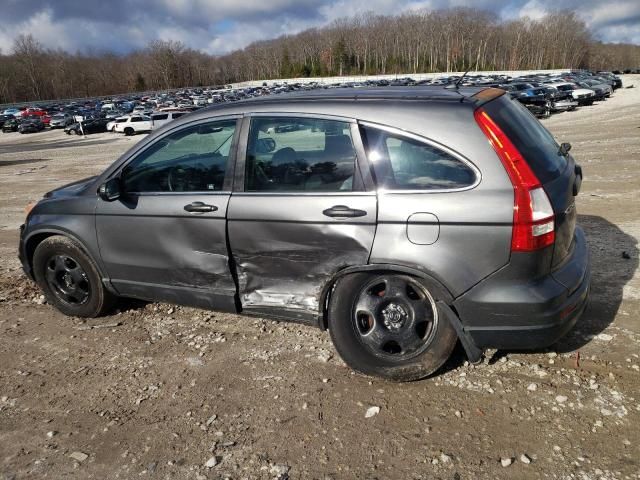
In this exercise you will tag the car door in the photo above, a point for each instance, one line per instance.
(299, 212)
(165, 237)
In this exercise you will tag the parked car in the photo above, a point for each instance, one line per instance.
(158, 119)
(517, 89)
(31, 124)
(11, 111)
(399, 236)
(584, 96)
(111, 125)
(4, 118)
(30, 111)
(561, 101)
(536, 100)
(86, 127)
(600, 89)
(11, 125)
(61, 120)
(134, 124)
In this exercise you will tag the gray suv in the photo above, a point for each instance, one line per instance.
(403, 220)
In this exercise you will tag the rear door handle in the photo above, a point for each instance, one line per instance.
(200, 207)
(343, 211)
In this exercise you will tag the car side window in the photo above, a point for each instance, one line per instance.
(403, 163)
(193, 159)
(299, 155)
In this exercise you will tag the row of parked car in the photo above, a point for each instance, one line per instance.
(543, 94)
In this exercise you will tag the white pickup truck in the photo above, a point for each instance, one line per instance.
(134, 124)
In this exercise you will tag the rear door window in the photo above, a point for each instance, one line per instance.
(299, 155)
(403, 163)
(527, 134)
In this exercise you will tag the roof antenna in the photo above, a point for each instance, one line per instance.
(457, 84)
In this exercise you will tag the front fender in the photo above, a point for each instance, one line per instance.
(31, 236)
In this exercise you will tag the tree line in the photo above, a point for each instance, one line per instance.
(417, 42)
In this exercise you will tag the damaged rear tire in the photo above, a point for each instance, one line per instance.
(388, 325)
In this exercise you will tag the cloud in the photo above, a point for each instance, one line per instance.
(220, 26)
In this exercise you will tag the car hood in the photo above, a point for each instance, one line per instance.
(71, 189)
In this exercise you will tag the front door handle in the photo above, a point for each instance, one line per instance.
(343, 211)
(200, 207)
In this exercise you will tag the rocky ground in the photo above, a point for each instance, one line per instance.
(158, 391)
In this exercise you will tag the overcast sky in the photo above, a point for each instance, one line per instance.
(219, 26)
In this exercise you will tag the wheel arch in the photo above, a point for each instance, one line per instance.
(429, 281)
(36, 238)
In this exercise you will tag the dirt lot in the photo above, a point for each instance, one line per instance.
(163, 390)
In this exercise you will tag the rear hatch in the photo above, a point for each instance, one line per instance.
(557, 172)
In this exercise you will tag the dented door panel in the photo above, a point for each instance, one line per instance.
(286, 249)
(153, 248)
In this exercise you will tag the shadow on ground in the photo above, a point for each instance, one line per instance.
(26, 161)
(73, 142)
(614, 260)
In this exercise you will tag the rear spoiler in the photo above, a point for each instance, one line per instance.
(486, 95)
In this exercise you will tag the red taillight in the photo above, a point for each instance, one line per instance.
(533, 218)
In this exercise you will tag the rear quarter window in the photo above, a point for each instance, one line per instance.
(529, 136)
(403, 163)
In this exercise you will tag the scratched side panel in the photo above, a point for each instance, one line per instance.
(285, 250)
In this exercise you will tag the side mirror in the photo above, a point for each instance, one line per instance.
(110, 190)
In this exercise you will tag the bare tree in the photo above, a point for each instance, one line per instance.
(417, 41)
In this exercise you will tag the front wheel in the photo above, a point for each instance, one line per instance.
(388, 325)
(69, 278)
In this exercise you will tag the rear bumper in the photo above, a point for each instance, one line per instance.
(502, 312)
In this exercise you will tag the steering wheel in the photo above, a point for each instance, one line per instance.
(179, 178)
(175, 179)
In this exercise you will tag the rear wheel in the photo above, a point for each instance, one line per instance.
(69, 278)
(388, 325)
(129, 131)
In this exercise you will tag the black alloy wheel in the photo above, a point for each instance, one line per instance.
(395, 317)
(67, 280)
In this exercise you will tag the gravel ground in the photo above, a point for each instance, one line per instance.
(178, 393)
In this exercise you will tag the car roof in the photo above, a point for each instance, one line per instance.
(340, 101)
(415, 93)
